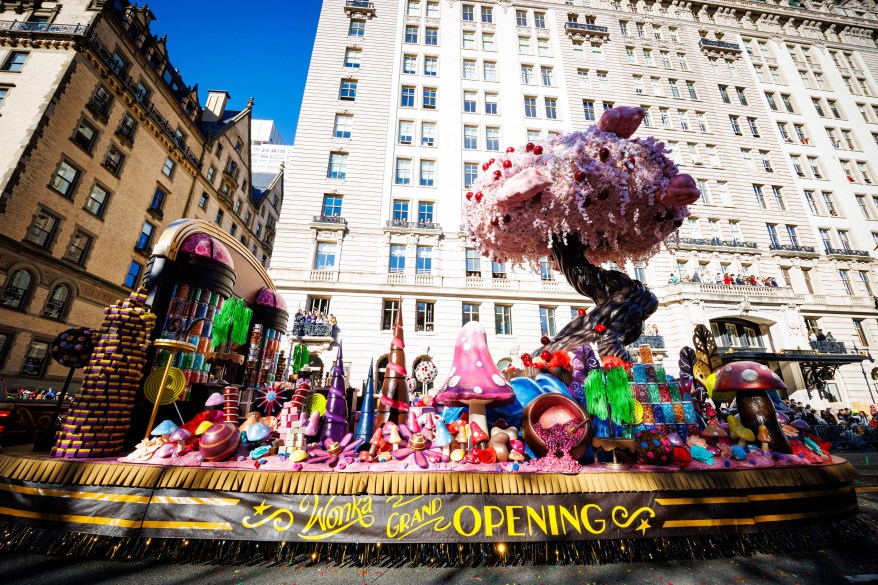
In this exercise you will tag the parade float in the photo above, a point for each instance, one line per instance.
(580, 454)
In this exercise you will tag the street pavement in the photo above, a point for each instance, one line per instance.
(831, 566)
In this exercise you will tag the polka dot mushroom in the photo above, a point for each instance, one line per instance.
(750, 381)
(474, 379)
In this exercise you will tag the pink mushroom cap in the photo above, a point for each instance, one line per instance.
(474, 377)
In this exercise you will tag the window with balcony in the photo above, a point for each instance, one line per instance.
(324, 256)
(826, 238)
(397, 259)
(331, 206)
(498, 269)
(400, 211)
(424, 260)
(473, 262)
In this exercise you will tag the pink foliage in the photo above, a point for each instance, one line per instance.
(606, 189)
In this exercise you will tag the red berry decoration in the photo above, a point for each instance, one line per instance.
(510, 149)
(580, 312)
(490, 162)
(526, 360)
(478, 195)
(604, 153)
(579, 176)
(600, 328)
(469, 195)
(538, 150)
(544, 340)
(498, 174)
(507, 164)
(529, 147)
(545, 355)
(485, 166)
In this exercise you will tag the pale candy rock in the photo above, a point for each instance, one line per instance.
(522, 186)
(457, 455)
(298, 455)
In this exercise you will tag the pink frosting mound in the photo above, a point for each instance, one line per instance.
(606, 189)
(207, 246)
(269, 298)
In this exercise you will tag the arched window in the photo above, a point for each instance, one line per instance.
(18, 289)
(382, 370)
(56, 304)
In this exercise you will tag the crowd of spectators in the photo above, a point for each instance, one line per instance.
(726, 279)
(841, 416)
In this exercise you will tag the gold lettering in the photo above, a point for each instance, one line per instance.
(587, 522)
(511, 519)
(490, 525)
(553, 521)
(539, 519)
(477, 521)
(570, 518)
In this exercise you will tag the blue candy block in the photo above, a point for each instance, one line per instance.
(659, 414)
(639, 371)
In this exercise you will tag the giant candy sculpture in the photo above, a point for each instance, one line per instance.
(585, 198)
(336, 425)
(394, 402)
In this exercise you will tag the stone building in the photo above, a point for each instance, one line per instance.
(103, 145)
(770, 105)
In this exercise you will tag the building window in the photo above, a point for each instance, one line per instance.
(470, 312)
(546, 272)
(866, 282)
(777, 192)
(210, 173)
(473, 262)
(861, 332)
(332, 205)
(467, 13)
(36, 359)
(77, 250)
(85, 136)
(469, 69)
(113, 161)
(397, 259)
(846, 282)
(498, 270)
(428, 134)
(503, 319)
(348, 90)
(144, 242)
(411, 34)
(388, 314)
(521, 18)
(410, 64)
(338, 165)
(430, 98)
(469, 101)
(760, 196)
(65, 179)
(469, 39)
(352, 58)
(403, 171)
(14, 61)
(407, 97)
(470, 137)
(489, 71)
(132, 278)
(540, 19)
(96, 203)
(588, 110)
(400, 211)
(425, 212)
(342, 126)
(530, 107)
(42, 231)
(424, 260)
(127, 127)
(736, 129)
(202, 202)
(18, 289)
(431, 36)
(324, 259)
(547, 321)
(492, 139)
(56, 304)
(431, 66)
(470, 173)
(424, 315)
(551, 108)
(428, 173)
(491, 103)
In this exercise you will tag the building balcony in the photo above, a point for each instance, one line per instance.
(359, 9)
(847, 253)
(847, 301)
(44, 28)
(793, 250)
(653, 341)
(328, 222)
(582, 30)
(406, 226)
(716, 244)
(733, 294)
(721, 46)
(829, 347)
(323, 275)
(302, 330)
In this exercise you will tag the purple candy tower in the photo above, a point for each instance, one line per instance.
(335, 426)
(584, 361)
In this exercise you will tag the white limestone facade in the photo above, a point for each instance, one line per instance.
(771, 108)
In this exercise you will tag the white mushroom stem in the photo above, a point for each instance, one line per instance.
(477, 414)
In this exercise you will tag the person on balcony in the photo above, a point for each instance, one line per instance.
(696, 277)
(774, 282)
(738, 280)
(830, 338)
(718, 279)
(820, 335)
(811, 337)
(674, 278)
(727, 280)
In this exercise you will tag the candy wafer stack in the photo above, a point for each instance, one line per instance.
(290, 429)
(231, 397)
(100, 414)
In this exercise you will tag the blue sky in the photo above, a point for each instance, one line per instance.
(261, 50)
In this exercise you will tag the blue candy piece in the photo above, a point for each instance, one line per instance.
(813, 446)
(525, 390)
(452, 413)
(699, 453)
(727, 463)
(515, 467)
(739, 453)
(549, 383)
(260, 452)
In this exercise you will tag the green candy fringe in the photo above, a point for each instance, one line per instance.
(619, 396)
(596, 393)
(233, 320)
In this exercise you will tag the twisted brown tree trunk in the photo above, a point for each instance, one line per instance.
(623, 304)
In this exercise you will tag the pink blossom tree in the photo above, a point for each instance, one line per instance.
(584, 198)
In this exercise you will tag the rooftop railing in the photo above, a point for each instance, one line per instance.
(719, 45)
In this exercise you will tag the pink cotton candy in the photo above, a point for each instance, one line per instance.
(522, 186)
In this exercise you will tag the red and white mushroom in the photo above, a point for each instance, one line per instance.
(474, 379)
(750, 381)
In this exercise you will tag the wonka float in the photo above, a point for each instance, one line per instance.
(579, 455)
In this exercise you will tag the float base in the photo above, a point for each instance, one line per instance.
(115, 510)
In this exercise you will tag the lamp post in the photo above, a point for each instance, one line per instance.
(866, 376)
